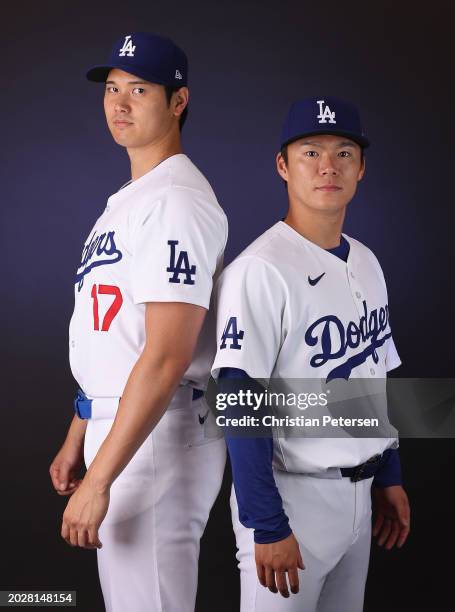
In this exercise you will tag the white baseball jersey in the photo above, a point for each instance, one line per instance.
(289, 309)
(160, 239)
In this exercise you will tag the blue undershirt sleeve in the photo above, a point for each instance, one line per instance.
(389, 473)
(259, 501)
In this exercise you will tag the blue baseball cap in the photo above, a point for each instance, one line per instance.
(323, 115)
(151, 57)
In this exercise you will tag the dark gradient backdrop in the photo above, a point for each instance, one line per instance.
(248, 61)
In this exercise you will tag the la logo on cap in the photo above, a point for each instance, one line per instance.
(128, 48)
(325, 113)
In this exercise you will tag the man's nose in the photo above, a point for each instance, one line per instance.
(122, 104)
(328, 165)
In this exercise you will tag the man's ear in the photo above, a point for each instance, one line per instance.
(362, 170)
(281, 167)
(180, 100)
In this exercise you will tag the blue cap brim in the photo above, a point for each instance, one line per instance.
(99, 74)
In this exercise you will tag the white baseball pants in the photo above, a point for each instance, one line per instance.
(331, 520)
(159, 506)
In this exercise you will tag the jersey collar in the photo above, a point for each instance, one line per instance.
(301, 241)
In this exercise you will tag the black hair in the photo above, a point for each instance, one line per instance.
(169, 90)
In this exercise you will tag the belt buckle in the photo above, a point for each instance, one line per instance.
(361, 468)
(358, 473)
(80, 396)
(78, 404)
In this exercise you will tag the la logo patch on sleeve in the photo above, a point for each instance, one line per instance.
(231, 333)
(182, 266)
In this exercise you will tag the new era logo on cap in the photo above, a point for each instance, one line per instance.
(149, 56)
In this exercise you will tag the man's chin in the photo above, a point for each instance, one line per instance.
(121, 139)
(329, 208)
(332, 202)
(121, 143)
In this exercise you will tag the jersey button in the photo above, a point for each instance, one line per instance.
(73, 344)
(372, 371)
(108, 208)
(352, 275)
(358, 294)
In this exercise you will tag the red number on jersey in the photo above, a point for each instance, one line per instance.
(113, 308)
(96, 321)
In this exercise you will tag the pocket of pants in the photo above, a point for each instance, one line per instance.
(191, 425)
(208, 430)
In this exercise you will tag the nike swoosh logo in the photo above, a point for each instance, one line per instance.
(315, 281)
(202, 419)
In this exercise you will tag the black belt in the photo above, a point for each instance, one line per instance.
(364, 470)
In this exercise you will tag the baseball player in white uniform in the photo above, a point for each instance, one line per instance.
(141, 347)
(305, 301)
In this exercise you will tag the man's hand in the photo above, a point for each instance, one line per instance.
(66, 466)
(393, 516)
(274, 560)
(84, 514)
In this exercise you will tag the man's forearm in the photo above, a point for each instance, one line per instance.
(149, 389)
(76, 431)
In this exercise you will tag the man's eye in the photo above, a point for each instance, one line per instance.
(111, 89)
(311, 153)
(345, 154)
(138, 90)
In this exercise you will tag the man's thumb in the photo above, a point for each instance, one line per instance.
(63, 477)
